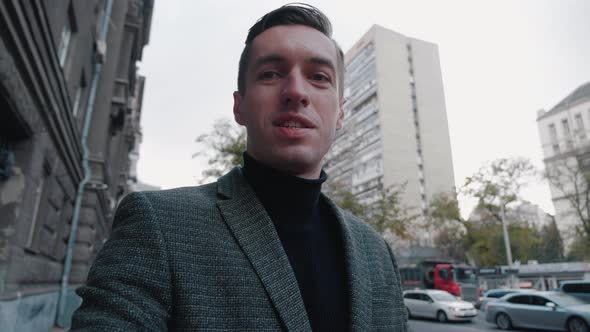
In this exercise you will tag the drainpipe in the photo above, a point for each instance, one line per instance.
(62, 319)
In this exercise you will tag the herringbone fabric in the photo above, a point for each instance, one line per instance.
(209, 259)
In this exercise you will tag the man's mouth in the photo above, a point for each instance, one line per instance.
(291, 121)
(292, 124)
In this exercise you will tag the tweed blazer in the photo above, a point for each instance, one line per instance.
(208, 258)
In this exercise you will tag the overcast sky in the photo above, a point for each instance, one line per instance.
(501, 62)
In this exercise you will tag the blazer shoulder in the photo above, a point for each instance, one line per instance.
(180, 196)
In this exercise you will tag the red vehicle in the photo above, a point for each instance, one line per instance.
(457, 279)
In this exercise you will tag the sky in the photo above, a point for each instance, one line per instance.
(501, 62)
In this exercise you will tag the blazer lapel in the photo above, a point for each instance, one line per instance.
(255, 232)
(357, 268)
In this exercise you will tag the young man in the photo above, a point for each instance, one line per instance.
(261, 249)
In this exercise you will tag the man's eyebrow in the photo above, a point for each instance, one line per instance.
(275, 58)
(322, 61)
(271, 58)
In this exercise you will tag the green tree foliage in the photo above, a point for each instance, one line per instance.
(482, 239)
(345, 199)
(484, 242)
(550, 247)
(580, 249)
(499, 183)
(387, 213)
(445, 221)
(223, 148)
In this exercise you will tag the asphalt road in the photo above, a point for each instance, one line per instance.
(430, 325)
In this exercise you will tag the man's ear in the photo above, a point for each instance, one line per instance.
(340, 119)
(237, 108)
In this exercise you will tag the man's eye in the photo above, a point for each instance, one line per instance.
(320, 77)
(268, 75)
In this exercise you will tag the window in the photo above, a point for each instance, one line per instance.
(64, 43)
(553, 132)
(580, 126)
(444, 274)
(577, 288)
(538, 300)
(566, 127)
(520, 299)
(498, 294)
(79, 92)
(426, 298)
(412, 296)
(66, 37)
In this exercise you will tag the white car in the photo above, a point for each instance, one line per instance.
(438, 304)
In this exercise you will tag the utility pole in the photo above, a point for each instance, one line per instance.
(506, 237)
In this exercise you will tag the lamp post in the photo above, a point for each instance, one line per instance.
(506, 237)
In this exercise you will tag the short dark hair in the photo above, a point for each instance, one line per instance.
(290, 14)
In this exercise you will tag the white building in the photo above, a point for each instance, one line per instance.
(564, 133)
(395, 129)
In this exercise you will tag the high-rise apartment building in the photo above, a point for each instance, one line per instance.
(395, 129)
(564, 132)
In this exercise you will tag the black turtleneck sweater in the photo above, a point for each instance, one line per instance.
(311, 238)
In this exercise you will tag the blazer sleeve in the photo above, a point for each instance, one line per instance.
(129, 283)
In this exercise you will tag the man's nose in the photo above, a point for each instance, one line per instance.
(295, 91)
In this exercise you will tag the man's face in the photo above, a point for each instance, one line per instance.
(290, 107)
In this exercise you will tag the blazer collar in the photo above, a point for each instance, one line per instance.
(255, 232)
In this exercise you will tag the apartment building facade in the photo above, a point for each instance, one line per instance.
(395, 130)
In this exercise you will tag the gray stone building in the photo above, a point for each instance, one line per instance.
(70, 105)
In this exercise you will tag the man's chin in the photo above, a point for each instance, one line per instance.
(298, 163)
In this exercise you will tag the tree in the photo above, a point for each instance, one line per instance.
(386, 213)
(345, 199)
(579, 249)
(223, 148)
(389, 213)
(573, 184)
(498, 184)
(445, 221)
(551, 244)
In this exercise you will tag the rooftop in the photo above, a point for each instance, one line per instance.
(580, 93)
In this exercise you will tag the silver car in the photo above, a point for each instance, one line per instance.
(493, 295)
(438, 304)
(540, 311)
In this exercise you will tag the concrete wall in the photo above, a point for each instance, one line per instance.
(434, 130)
(395, 110)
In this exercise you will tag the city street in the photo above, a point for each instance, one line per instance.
(431, 325)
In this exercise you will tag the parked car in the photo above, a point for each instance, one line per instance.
(438, 304)
(540, 311)
(493, 295)
(577, 288)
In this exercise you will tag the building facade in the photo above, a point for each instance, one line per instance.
(565, 140)
(395, 130)
(70, 96)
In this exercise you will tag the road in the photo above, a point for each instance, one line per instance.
(430, 325)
